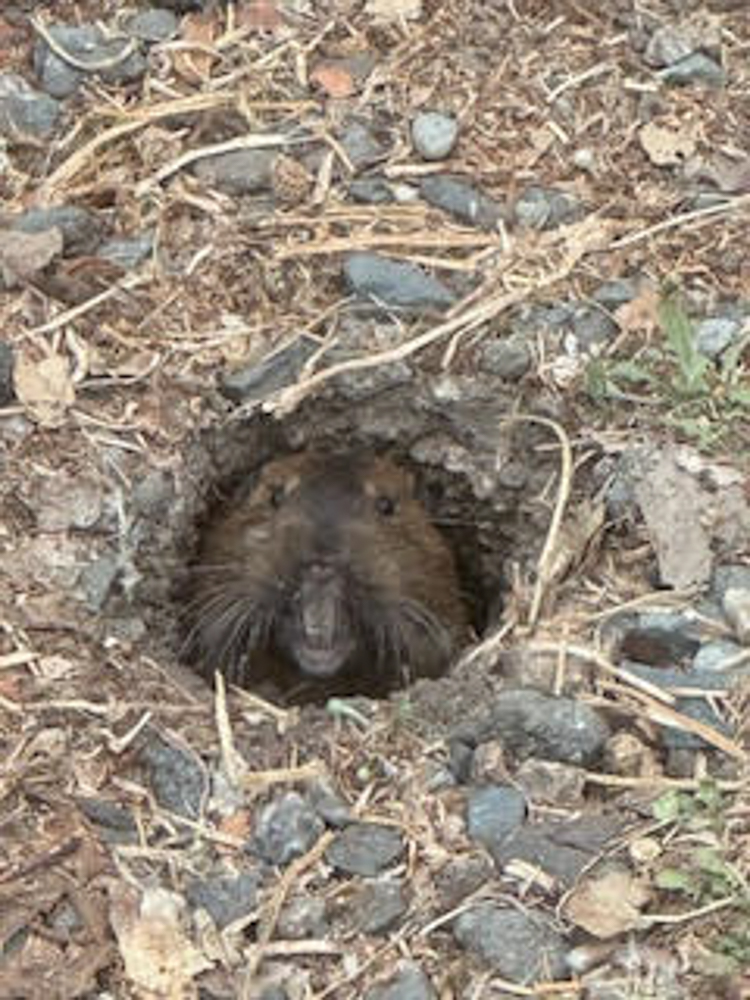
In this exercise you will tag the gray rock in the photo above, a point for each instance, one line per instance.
(25, 112)
(592, 328)
(88, 45)
(328, 803)
(461, 877)
(258, 381)
(225, 898)
(462, 200)
(98, 579)
(379, 907)
(7, 390)
(666, 47)
(532, 724)
(434, 135)
(659, 645)
(303, 917)
(712, 656)
(613, 294)
(508, 358)
(285, 829)
(727, 577)
(695, 68)
(372, 191)
(517, 944)
(361, 146)
(561, 850)
(243, 171)
(81, 230)
(365, 849)
(700, 711)
(494, 812)
(178, 781)
(546, 208)
(153, 495)
(127, 252)
(395, 283)
(715, 333)
(118, 822)
(737, 610)
(409, 983)
(154, 24)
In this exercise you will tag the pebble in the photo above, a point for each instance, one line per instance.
(434, 135)
(409, 983)
(713, 656)
(329, 804)
(243, 171)
(494, 812)
(361, 146)
(592, 328)
(737, 610)
(225, 898)
(546, 208)
(507, 357)
(460, 877)
(7, 389)
(285, 829)
(81, 230)
(395, 283)
(25, 112)
(98, 579)
(254, 382)
(667, 46)
(154, 24)
(727, 577)
(618, 292)
(461, 200)
(372, 191)
(118, 822)
(177, 780)
(658, 645)
(715, 333)
(365, 849)
(378, 907)
(518, 945)
(551, 783)
(695, 68)
(532, 724)
(127, 252)
(304, 917)
(86, 43)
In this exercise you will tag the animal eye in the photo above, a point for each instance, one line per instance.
(385, 505)
(277, 495)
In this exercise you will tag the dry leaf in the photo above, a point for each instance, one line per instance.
(259, 15)
(336, 81)
(666, 146)
(159, 957)
(22, 255)
(394, 10)
(607, 905)
(641, 314)
(45, 388)
(194, 62)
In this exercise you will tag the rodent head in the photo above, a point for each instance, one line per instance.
(332, 565)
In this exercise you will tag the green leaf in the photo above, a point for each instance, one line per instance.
(680, 334)
(675, 880)
(668, 807)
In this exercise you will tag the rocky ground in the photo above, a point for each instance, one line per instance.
(509, 243)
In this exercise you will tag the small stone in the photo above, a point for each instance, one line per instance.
(666, 47)
(551, 783)
(434, 135)
(7, 389)
(494, 812)
(409, 983)
(154, 24)
(462, 200)
(460, 878)
(592, 328)
(127, 252)
(371, 191)
(695, 68)
(120, 826)
(380, 907)
(303, 917)
(613, 294)
(178, 781)
(714, 656)
(395, 283)
(517, 944)
(659, 647)
(365, 849)
(225, 898)
(25, 113)
(86, 43)
(714, 334)
(81, 230)
(737, 610)
(698, 710)
(546, 208)
(243, 171)
(509, 358)
(332, 808)
(286, 829)
(361, 146)
(728, 577)
(258, 381)
(98, 579)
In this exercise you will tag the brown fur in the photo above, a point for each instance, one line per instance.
(329, 569)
